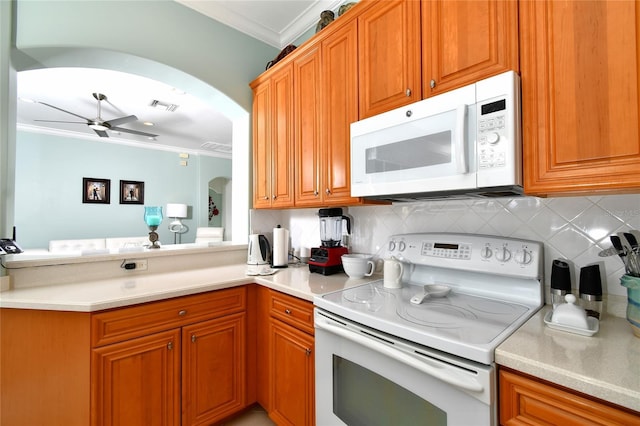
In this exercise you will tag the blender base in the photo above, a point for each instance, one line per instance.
(326, 270)
(327, 260)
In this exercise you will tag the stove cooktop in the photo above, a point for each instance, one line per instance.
(483, 308)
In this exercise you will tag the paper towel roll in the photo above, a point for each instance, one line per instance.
(280, 247)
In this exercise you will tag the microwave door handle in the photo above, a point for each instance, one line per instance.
(459, 142)
(444, 372)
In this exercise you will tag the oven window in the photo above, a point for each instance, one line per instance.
(423, 151)
(362, 397)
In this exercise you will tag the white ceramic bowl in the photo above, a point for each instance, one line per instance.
(358, 265)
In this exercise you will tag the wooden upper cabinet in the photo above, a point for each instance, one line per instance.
(580, 96)
(308, 93)
(389, 56)
(273, 140)
(466, 41)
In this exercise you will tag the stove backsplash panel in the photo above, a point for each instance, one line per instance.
(572, 228)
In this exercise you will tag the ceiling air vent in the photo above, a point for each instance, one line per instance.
(163, 105)
(217, 147)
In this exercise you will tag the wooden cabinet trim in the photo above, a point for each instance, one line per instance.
(127, 323)
(291, 310)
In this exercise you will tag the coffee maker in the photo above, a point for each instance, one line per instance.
(327, 259)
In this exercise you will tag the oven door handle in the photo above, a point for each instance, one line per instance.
(446, 373)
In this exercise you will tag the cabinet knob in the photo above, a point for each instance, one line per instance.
(308, 351)
(266, 198)
(287, 311)
(182, 313)
(275, 196)
(193, 338)
(315, 192)
(408, 92)
(327, 191)
(432, 84)
(170, 345)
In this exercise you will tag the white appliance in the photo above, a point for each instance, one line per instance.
(381, 359)
(460, 143)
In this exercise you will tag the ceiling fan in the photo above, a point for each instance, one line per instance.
(99, 125)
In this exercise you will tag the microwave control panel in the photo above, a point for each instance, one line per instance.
(492, 134)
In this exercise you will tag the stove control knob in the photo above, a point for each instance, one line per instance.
(486, 252)
(392, 245)
(524, 256)
(503, 254)
(401, 246)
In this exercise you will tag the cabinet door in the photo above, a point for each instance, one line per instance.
(389, 56)
(308, 95)
(291, 375)
(465, 41)
(579, 62)
(262, 145)
(282, 139)
(340, 105)
(213, 369)
(137, 382)
(524, 401)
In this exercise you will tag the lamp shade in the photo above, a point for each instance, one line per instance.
(176, 210)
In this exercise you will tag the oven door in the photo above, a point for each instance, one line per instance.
(364, 377)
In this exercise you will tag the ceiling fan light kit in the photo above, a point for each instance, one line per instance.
(99, 125)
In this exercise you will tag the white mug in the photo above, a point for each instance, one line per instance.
(393, 270)
(358, 265)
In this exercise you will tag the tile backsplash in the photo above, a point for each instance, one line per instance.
(572, 228)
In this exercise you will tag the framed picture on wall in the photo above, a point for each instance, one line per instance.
(96, 191)
(131, 192)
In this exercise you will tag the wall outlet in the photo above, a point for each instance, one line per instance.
(141, 265)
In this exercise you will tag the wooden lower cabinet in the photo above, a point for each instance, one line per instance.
(525, 400)
(291, 375)
(286, 367)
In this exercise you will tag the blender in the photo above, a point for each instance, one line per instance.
(327, 259)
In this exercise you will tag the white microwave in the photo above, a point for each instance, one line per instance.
(466, 142)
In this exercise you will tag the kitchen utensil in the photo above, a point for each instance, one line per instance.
(393, 270)
(358, 265)
(633, 264)
(617, 243)
(280, 247)
(430, 290)
(611, 251)
(326, 259)
(591, 290)
(259, 252)
(560, 281)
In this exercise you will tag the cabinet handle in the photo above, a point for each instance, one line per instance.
(170, 346)
(408, 92)
(308, 351)
(182, 313)
(275, 196)
(327, 191)
(287, 311)
(193, 338)
(432, 84)
(315, 192)
(266, 198)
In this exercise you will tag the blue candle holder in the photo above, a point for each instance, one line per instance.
(153, 219)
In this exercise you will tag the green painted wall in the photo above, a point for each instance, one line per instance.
(49, 188)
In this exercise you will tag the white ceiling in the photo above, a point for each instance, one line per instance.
(194, 126)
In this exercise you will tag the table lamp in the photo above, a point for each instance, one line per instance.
(153, 218)
(177, 212)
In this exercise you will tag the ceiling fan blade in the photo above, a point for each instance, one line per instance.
(56, 121)
(122, 120)
(135, 132)
(101, 133)
(63, 110)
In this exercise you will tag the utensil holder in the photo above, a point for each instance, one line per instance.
(633, 301)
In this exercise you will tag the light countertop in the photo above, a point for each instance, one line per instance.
(606, 365)
(124, 291)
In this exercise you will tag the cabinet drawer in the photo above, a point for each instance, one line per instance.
(126, 323)
(293, 311)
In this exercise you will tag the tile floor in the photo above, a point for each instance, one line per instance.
(252, 416)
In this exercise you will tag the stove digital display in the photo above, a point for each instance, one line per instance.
(445, 246)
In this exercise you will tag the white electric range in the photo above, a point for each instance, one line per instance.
(440, 351)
